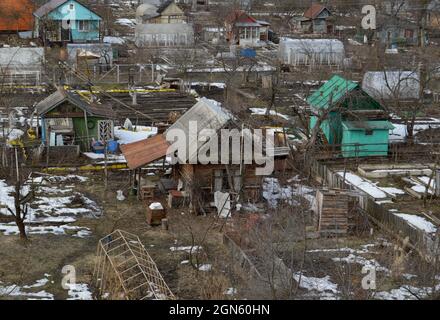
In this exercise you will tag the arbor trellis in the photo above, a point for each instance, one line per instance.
(125, 270)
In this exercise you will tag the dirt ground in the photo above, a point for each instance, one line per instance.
(210, 274)
(47, 253)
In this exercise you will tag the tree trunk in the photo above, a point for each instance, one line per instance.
(21, 228)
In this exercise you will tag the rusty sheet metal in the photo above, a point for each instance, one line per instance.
(145, 151)
(16, 15)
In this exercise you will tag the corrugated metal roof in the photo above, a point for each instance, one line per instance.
(16, 15)
(52, 101)
(331, 92)
(368, 125)
(145, 151)
(206, 114)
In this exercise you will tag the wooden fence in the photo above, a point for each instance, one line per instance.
(426, 245)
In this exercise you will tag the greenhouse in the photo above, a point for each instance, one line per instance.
(392, 84)
(311, 52)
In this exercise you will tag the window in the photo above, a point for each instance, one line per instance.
(83, 25)
(368, 132)
(242, 33)
(409, 33)
(71, 7)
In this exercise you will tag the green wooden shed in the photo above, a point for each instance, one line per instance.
(67, 118)
(351, 119)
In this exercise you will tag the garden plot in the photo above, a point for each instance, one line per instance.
(419, 186)
(418, 222)
(30, 292)
(274, 193)
(320, 288)
(55, 209)
(369, 187)
(368, 255)
(40, 291)
(399, 133)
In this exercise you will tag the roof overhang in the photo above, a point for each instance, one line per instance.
(143, 152)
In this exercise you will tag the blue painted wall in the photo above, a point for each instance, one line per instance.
(356, 143)
(79, 13)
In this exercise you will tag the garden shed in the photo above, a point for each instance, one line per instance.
(350, 118)
(70, 119)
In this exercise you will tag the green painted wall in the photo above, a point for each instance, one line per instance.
(79, 126)
(331, 127)
(368, 145)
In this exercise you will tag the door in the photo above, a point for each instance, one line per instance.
(65, 31)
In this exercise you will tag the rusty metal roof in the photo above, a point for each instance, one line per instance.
(314, 11)
(16, 15)
(145, 151)
(205, 114)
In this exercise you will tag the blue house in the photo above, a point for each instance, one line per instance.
(67, 21)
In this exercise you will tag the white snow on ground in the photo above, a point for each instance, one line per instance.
(140, 133)
(352, 258)
(52, 211)
(427, 180)
(76, 231)
(405, 293)
(257, 68)
(399, 133)
(324, 286)
(420, 187)
(111, 158)
(205, 267)
(187, 249)
(71, 178)
(263, 111)
(126, 22)
(367, 186)
(220, 85)
(418, 222)
(24, 292)
(363, 184)
(113, 40)
(230, 291)
(79, 291)
(393, 191)
(273, 192)
(345, 249)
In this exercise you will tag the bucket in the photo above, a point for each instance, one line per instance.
(112, 146)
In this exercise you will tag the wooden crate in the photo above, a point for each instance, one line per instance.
(155, 216)
(147, 192)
